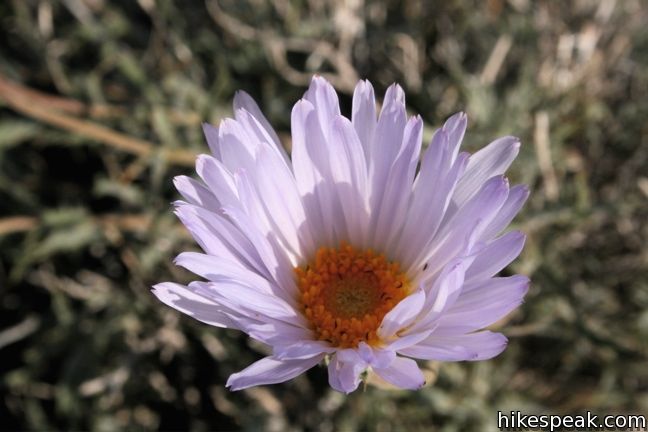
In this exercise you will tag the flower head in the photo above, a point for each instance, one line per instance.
(346, 250)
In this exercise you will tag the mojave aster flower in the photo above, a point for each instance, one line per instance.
(347, 251)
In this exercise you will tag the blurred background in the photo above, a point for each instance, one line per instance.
(100, 107)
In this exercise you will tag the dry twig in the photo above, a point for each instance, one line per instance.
(46, 109)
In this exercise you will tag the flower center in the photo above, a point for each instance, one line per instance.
(345, 293)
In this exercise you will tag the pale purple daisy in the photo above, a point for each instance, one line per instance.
(346, 252)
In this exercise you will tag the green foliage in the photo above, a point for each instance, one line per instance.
(86, 227)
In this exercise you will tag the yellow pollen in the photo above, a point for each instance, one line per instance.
(345, 293)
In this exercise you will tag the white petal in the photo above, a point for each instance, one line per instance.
(468, 221)
(474, 346)
(441, 295)
(301, 350)
(183, 299)
(244, 101)
(277, 219)
(344, 370)
(216, 268)
(488, 302)
(218, 179)
(403, 373)
(447, 288)
(251, 302)
(375, 357)
(310, 158)
(324, 98)
(251, 203)
(394, 93)
(497, 255)
(349, 171)
(409, 340)
(219, 237)
(204, 236)
(492, 160)
(348, 163)
(259, 131)
(219, 269)
(196, 193)
(402, 315)
(211, 135)
(398, 192)
(274, 258)
(281, 202)
(270, 371)
(280, 220)
(272, 332)
(431, 196)
(387, 144)
(516, 198)
(455, 127)
(364, 114)
(237, 146)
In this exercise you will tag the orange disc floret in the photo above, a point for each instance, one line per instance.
(346, 292)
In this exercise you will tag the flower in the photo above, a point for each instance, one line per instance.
(346, 251)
